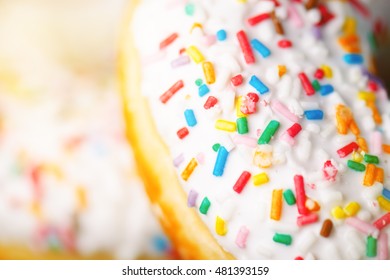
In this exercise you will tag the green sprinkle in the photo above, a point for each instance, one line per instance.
(316, 85)
(289, 197)
(371, 159)
(216, 147)
(285, 239)
(372, 41)
(204, 206)
(242, 125)
(268, 132)
(371, 247)
(190, 9)
(356, 166)
(199, 82)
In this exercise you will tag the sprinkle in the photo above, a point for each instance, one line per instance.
(190, 117)
(221, 35)
(195, 54)
(203, 90)
(169, 40)
(258, 18)
(284, 44)
(225, 125)
(260, 179)
(360, 8)
(285, 239)
(344, 118)
(237, 80)
(379, 175)
(242, 236)
(312, 205)
(361, 226)
(356, 166)
(376, 141)
(220, 226)
(269, 132)
(242, 125)
(220, 162)
(260, 48)
(294, 129)
(210, 102)
(326, 228)
(338, 213)
(384, 203)
(81, 198)
(295, 16)
(192, 196)
(375, 112)
(276, 206)
(178, 160)
(351, 209)
(314, 114)
(326, 16)
(204, 206)
(348, 149)
(263, 157)
(289, 197)
(327, 71)
(241, 182)
(171, 91)
(258, 85)
(329, 171)
(216, 147)
(284, 111)
(182, 132)
(371, 159)
(190, 9)
(198, 82)
(180, 61)
(386, 148)
(245, 140)
(248, 103)
(319, 74)
(245, 47)
(383, 252)
(366, 96)
(353, 59)
(189, 169)
(208, 70)
(307, 219)
(307, 86)
(371, 247)
(316, 85)
(277, 24)
(326, 90)
(301, 195)
(383, 221)
(282, 69)
(386, 193)
(362, 144)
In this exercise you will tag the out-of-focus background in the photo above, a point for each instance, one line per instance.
(68, 184)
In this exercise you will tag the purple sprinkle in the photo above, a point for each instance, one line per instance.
(180, 61)
(372, 76)
(178, 160)
(317, 33)
(192, 196)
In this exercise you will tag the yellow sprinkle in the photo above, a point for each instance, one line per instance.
(384, 203)
(338, 212)
(225, 125)
(352, 208)
(262, 158)
(369, 176)
(349, 26)
(327, 71)
(356, 156)
(53, 169)
(260, 179)
(241, 1)
(282, 70)
(36, 209)
(276, 207)
(366, 96)
(220, 226)
(81, 197)
(196, 25)
(208, 70)
(239, 114)
(195, 54)
(189, 169)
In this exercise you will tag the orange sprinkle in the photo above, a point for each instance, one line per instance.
(208, 70)
(36, 209)
(343, 118)
(81, 197)
(362, 144)
(379, 175)
(369, 177)
(354, 127)
(276, 208)
(375, 112)
(282, 70)
(189, 169)
(386, 148)
(312, 205)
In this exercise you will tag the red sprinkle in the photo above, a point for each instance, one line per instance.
(284, 43)
(245, 47)
(237, 80)
(258, 18)
(360, 8)
(319, 74)
(346, 150)
(308, 219)
(210, 102)
(307, 86)
(182, 132)
(300, 194)
(294, 129)
(169, 40)
(171, 91)
(329, 171)
(326, 16)
(299, 258)
(241, 182)
(382, 221)
(372, 85)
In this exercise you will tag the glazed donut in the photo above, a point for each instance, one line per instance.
(259, 127)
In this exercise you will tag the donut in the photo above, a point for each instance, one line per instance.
(259, 127)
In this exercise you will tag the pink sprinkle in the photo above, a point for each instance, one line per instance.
(329, 171)
(242, 237)
(178, 160)
(288, 139)
(295, 16)
(209, 40)
(180, 61)
(307, 219)
(192, 196)
(383, 251)
(248, 103)
(245, 140)
(362, 226)
(283, 110)
(376, 143)
(200, 157)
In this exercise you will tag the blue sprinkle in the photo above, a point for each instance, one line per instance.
(314, 115)
(386, 193)
(220, 161)
(160, 243)
(353, 58)
(263, 50)
(221, 35)
(326, 89)
(190, 117)
(258, 85)
(203, 90)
